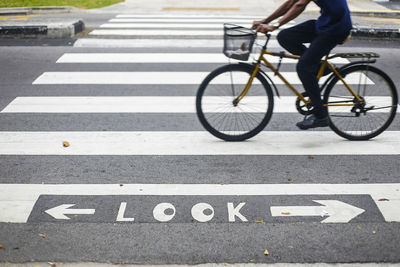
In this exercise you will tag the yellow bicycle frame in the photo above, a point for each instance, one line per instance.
(324, 64)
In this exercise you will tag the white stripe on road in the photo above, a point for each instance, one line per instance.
(218, 33)
(193, 143)
(164, 78)
(168, 26)
(18, 200)
(147, 43)
(164, 58)
(188, 16)
(186, 20)
(144, 104)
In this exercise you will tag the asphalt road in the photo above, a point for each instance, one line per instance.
(176, 224)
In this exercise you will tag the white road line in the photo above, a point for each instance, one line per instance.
(168, 26)
(142, 104)
(164, 78)
(186, 20)
(164, 58)
(18, 200)
(218, 33)
(147, 43)
(162, 15)
(193, 143)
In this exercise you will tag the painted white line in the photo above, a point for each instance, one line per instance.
(188, 16)
(185, 20)
(193, 143)
(217, 33)
(165, 58)
(146, 104)
(164, 78)
(146, 43)
(18, 200)
(169, 26)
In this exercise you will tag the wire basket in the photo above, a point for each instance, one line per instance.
(238, 41)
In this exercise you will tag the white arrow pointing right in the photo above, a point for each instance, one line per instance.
(338, 211)
(60, 211)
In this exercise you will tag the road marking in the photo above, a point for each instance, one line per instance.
(169, 26)
(166, 78)
(166, 58)
(162, 32)
(201, 8)
(146, 43)
(18, 200)
(185, 20)
(60, 211)
(337, 211)
(148, 104)
(193, 143)
(174, 16)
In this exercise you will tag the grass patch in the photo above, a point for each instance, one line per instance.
(86, 4)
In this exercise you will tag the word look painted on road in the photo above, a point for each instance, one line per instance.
(139, 209)
(188, 203)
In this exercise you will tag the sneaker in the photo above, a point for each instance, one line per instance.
(312, 122)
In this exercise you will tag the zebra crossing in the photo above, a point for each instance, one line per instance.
(161, 103)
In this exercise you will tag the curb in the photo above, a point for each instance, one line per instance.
(373, 33)
(391, 15)
(36, 10)
(54, 30)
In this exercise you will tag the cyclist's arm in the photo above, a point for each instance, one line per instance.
(285, 7)
(294, 11)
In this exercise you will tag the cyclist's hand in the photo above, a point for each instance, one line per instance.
(265, 28)
(256, 23)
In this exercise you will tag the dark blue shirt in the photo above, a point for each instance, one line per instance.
(335, 17)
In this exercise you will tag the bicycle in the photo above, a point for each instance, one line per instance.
(235, 101)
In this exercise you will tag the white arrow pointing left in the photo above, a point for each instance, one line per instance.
(338, 211)
(60, 211)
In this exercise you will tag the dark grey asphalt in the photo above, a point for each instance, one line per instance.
(100, 239)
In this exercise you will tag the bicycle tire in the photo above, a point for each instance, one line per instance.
(347, 122)
(231, 90)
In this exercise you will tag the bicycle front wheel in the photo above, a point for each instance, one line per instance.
(217, 110)
(363, 120)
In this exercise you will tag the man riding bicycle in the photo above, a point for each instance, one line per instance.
(330, 29)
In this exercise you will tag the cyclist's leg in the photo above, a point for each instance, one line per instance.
(293, 39)
(308, 66)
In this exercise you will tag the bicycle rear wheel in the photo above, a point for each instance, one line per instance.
(217, 111)
(365, 120)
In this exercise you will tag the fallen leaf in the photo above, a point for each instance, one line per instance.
(121, 185)
(52, 264)
(43, 235)
(260, 221)
(310, 157)
(359, 227)
(285, 213)
(289, 180)
(373, 232)
(1, 246)
(293, 223)
(383, 199)
(123, 263)
(266, 252)
(251, 260)
(65, 144)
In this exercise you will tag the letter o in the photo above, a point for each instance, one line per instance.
(159, 212)
(198, 212)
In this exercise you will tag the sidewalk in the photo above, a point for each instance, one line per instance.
(370, 19)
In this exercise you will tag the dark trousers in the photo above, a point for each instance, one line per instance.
(293, 40)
